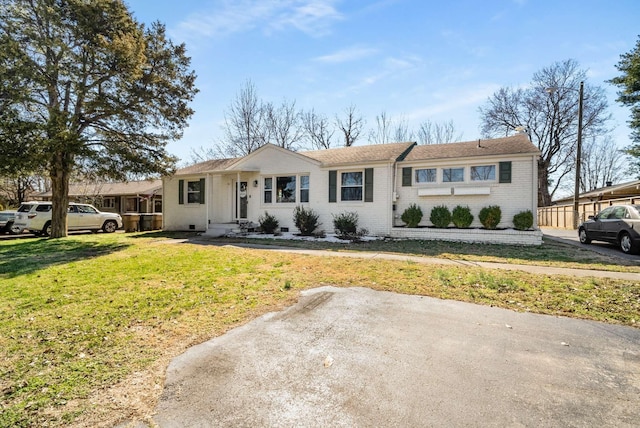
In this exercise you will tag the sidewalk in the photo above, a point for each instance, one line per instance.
(542, 270)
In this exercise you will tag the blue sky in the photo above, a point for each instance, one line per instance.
(416, 60)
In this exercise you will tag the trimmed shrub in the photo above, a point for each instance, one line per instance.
(490, 216)
(268, 223)
(412, 215)
(345, 224)
(440, 216)
(523, 220)
(305, 220)
(462, 217)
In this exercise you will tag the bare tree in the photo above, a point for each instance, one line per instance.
(401, 131)
(244, 124)
(351, 125)
(601, 163)
(438, 133)
(381, 134)
(318, 130)
(284, 124)
(548, 110)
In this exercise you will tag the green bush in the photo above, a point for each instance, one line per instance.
(440, 216)
(523, 220)
(412, 215)
(268, 223)
(305, 220)
(346, 224)
(490, 216)
(462, 217)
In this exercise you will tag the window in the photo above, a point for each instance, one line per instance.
(351, 186)
(425, 175)
(304, 188)
(451, 175)
(157, 205)
(286, 189)
(193, 192)
(108, 202)
(131, 205)
(268, 189)
(483, 173)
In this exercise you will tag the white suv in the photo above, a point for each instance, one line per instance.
(36, 216)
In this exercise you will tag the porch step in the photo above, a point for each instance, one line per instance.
(220, 229)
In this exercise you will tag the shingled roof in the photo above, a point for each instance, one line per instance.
(517, 144)
(360, 154)
(207, 166)
(144, 187)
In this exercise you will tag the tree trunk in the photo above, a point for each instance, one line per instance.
(544, 198)
(60, 171)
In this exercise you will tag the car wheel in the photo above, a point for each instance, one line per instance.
(584, 238)
(109, 226)
(46, 230)
(15, 230)
(626, 244)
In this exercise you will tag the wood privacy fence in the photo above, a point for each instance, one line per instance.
(561, 216)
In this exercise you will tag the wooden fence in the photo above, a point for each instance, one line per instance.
(561, 216)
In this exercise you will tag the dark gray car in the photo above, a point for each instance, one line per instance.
(6, 222)
(618, 224)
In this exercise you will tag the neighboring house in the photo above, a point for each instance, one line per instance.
(561, 213)
(378, 182)
(122, 198)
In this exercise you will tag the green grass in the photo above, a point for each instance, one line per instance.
(83, 316)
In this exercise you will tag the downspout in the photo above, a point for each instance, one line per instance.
(237, 190)
(534, 190)
(207, 200)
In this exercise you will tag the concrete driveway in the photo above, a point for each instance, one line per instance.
(357, 357)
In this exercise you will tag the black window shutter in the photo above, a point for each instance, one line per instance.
(333, 185)
(181, 192)
(202, 190)
(505, 172)
(406, 176)
(368, 185)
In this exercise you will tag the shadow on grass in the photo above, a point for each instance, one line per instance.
(27, 256)
(549, 251)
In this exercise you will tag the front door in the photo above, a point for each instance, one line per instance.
(241, 200)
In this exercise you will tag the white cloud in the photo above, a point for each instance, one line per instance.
(225, 17)
(353, 53)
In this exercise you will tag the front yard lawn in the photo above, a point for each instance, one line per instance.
(89, 323)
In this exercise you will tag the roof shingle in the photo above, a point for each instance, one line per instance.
(517, 144)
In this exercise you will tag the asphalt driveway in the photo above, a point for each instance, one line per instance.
(358, 357)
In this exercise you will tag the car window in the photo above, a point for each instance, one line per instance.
(43, 208)
(636, 207)
(86, 209)
(619, 213)
(604, 214)
(24, 208)
(72, 209)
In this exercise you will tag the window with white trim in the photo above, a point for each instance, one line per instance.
(304, 188)
(193, 192)
(483, 173)
(268, 190)
(286, 189)
(452, 175)
(428, 175)
(351, 184)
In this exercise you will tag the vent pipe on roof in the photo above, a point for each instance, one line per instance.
(479, 146)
